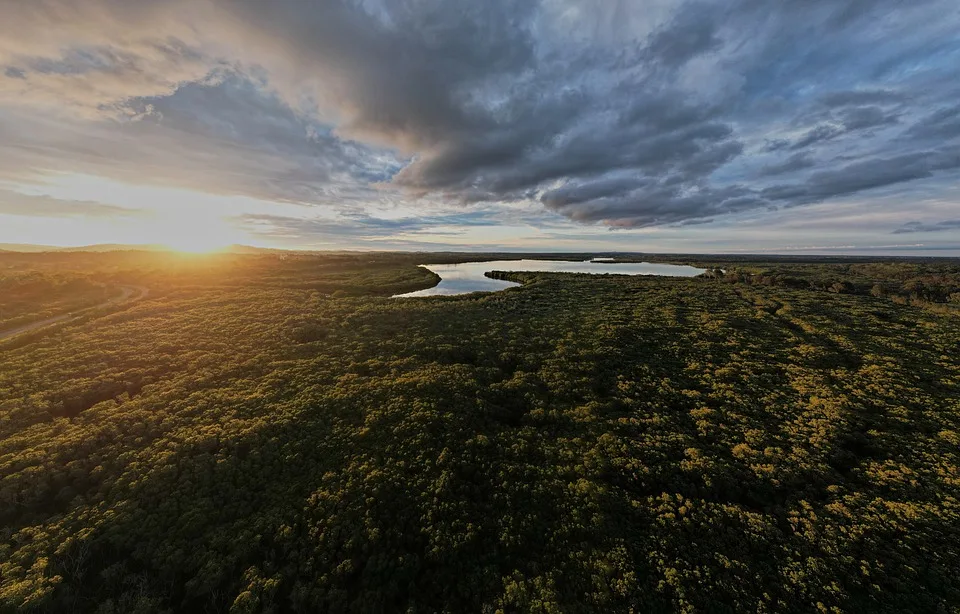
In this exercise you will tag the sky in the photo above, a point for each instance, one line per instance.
(796, 126)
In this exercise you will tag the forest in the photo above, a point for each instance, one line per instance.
(274, 433)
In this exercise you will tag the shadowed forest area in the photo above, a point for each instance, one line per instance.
(267, 433)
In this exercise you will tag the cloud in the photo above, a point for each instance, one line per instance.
(14, 203)
(796, 162)
(859, 118)
(602, 112)
(863, 175)
(862, 97)
(691, 33)
(838, 120)
(821, 133)
(943, 123)
(356, 226)
(228, 137)
(912, 227)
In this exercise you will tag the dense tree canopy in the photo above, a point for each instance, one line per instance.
(266, 434)
(30, 296)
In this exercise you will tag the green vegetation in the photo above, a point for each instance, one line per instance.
(268, 435)
(32, 296)
(934, 285)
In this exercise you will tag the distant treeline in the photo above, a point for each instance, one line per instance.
(913, 283)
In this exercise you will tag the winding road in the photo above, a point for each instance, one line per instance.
(124, 298)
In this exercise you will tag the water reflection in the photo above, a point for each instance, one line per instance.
(470, 276)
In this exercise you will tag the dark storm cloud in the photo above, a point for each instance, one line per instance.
(858, 118)
(943, 123)
(602, 111)
(864, 175)
(692, 32)
(659, 205)
(575, 194)
(645, 149)
(404, 73)
(796, 162)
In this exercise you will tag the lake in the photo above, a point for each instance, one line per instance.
(470, 276)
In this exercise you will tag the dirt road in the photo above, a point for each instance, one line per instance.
(125, 297)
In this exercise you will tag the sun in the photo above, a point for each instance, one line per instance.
(178, 219)
(194, 233)
(195, 245)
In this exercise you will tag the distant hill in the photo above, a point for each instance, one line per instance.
(104, 247)
(249, 249)
(114, 247)
(121, 247)
(18, 247)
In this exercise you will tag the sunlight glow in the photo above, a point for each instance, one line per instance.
(192, 231)
(183, 220)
